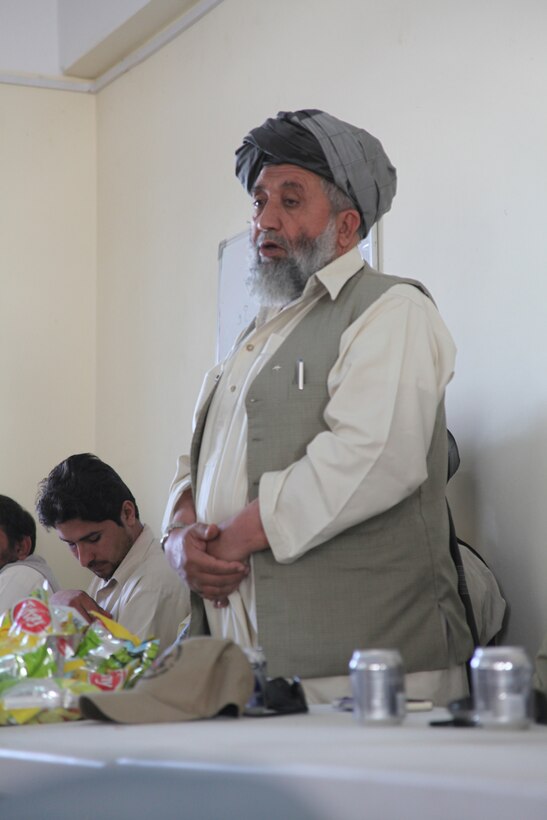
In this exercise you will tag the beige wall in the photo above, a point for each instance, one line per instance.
(455, 92)
(47, 295)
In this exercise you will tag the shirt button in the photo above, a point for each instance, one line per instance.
(232, 388)
(250, 347)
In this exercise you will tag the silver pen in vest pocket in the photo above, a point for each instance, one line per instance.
(300, 373)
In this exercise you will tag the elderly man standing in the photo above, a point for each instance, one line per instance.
(311, 518)
(96, 515)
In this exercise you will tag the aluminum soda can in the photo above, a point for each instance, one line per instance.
(502, 687)
(378, 685)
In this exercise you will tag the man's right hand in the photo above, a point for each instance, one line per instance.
(80, 600)
(212, 578)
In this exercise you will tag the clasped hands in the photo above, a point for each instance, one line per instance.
(213, 559)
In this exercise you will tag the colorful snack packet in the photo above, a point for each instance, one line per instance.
(41, 700)
(49, 655)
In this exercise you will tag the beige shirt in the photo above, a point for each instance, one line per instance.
(144, 594)
(399, 355)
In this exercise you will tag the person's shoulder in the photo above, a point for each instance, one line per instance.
(154, 564)
(6, 572)
(377, 287)
(19, 568)
(391, 280)
(149, 545)
(35, 561)
(413, 291)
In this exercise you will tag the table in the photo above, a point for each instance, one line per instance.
(332, 768)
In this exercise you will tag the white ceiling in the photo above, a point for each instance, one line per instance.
(84, 44)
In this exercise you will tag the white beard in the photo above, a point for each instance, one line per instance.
(277, 282)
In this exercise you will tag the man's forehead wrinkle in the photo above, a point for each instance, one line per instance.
(292, 184)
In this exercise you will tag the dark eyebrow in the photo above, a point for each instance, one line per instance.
(85, 537)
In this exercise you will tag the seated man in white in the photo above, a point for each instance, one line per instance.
(21, 571)
(95, 513)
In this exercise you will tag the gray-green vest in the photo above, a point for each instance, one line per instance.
(383, 583)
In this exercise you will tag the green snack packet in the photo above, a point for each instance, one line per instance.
(98, 643)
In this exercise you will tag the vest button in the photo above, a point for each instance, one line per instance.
(250, 347)
(232, 388)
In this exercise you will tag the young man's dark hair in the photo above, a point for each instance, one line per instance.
(16, 522)
(82, 486)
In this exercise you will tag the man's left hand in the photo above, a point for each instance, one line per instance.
(239, 536)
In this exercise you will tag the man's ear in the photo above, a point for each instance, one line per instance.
(23, 547)
(128, 513)
(347, 223)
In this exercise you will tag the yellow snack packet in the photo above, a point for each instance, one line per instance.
(117, 630)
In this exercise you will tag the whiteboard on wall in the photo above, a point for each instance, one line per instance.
(236, 307)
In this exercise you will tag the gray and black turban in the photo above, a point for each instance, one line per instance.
(348, 156)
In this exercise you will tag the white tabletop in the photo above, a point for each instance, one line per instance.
(333, 764)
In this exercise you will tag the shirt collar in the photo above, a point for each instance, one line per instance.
(334, 276)
(135, 556)
(331, 278)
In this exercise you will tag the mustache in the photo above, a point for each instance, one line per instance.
(272, 236)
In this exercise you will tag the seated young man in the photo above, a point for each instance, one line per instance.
(21, 571)
(95, 513)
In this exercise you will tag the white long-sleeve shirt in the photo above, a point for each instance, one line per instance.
(394, 363)
(19, 579)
